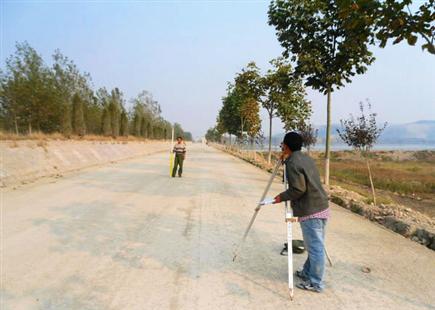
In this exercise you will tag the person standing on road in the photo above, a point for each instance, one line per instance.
(180, 155)
(309, 203)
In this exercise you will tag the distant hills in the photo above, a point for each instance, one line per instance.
(420, 132)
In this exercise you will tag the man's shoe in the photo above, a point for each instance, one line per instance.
(284, 251)
(301, 275)
(308, 287)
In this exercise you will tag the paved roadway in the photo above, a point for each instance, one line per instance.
(126, 236)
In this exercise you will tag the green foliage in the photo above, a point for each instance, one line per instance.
(26, 94)
(395, 20)
(93, 112)
(106, 123)
(228, 118)
(115, 107)
(240, 107)
(178, 131)
(328, 40)
(66, 126)
(280, 92)
(188, 136)
(247, 89)
(124, 124)
(213, 135)
(146, 115)
(78, 121)
(284, 94)
(328, 46)
(60, 98)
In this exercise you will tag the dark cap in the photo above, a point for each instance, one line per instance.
(293, 140)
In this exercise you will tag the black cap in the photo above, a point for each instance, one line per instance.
(293, 140)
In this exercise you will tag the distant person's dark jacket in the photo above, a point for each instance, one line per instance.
(305, 188)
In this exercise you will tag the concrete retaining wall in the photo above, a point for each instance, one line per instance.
(27, 160)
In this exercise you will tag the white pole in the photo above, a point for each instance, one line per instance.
(288, 217)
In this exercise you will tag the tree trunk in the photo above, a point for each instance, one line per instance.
(328, 137)
(16, 126)
(269, 156)
(371, 181)
(30, 128)
(241, 133)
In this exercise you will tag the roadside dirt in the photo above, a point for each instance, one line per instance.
(126, 236)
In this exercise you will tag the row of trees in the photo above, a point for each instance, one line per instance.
(278, 91)
(328, 40)
(60, 98)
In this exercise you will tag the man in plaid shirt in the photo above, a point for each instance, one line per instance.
(310, 207)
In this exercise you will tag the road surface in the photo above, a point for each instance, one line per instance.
(126, 236)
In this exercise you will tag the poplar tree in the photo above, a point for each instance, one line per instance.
(106, 124)
(124, 124)
(247, 92)
(66, 125)
(283, 96)
(78, 121)
(329, 48)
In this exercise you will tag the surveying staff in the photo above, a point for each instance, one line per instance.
(310, 207)
(180, 155)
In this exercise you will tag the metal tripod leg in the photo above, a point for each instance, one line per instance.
(328, 257)
(266, 190)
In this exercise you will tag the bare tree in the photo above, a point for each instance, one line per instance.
(362, 133)
(309, 135)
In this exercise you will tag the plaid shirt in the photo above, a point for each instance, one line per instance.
(319, 215)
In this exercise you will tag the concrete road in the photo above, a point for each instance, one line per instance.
(126, 236)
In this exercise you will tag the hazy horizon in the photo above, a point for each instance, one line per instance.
(185, 52)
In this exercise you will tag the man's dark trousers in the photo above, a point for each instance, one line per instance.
(179, 158)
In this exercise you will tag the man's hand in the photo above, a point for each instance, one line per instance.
(277, 199)
(267, 201)
(270, 201)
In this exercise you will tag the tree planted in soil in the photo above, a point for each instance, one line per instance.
(328, 47)
(309, 136)
(248, 91)
(283, 95)
(362, 133)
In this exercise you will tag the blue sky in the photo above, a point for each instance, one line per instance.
(184, 52)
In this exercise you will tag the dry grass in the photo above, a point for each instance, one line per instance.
(400, 177)
(7, 136)
(410, 177)
(410, 173)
